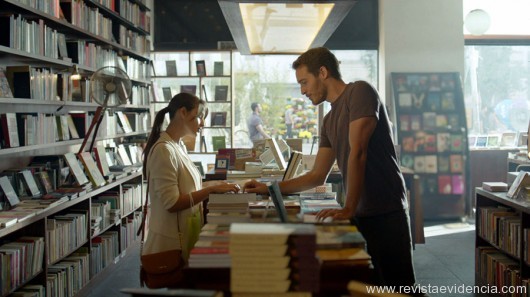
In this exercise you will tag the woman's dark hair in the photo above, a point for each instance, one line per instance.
(178, 101)
(316, 58)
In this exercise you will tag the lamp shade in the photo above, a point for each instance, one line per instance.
(477, 22)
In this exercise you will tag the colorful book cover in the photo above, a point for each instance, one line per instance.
(433, 101)
(431, 164)
(456, 143)
(456, 163)
(443, 164)
(419, 164)
(442, 142)
(430, 143)
(444, 184)
(457, 184)
(404, 123)
(415, 122)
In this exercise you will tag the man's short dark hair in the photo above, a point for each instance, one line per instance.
(316, 58)
(253, 106)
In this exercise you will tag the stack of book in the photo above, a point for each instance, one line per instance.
(286, 259)
(229, 208)
(211, 250)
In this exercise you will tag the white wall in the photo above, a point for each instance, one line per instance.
(419, 36)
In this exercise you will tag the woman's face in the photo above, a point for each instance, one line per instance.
(194, 121)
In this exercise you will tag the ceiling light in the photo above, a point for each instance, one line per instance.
(282, 27)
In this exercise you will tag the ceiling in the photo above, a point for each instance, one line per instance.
(199, 25)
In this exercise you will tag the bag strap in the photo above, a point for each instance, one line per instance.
(141, 229)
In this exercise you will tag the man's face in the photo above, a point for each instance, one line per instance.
(311, 86)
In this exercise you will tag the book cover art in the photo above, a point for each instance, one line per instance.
(408, 144)
(481, 141)
(418, 100)
(433, 101)
(218, 118)
(430, 185)
(221, 93)
(443, 142)
(429, 120)
(190, 89)
(430, 143)
(171, 68)
(448, 101)
(9, 191)
(457, 143)
(419, 164)
(92, 170)
(76, 169)
(405, 100)
(456, 163)
(415, 122)
(407, 161)
(457, 184)
(441, 121)
(218, 142)
(166, 91)
(218, 68)
(431, 164)
(201, 67)
(10, 137)
(444, 184)
(404, 122)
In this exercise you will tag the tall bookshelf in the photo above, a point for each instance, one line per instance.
(63, 45)
(502, 245)
(177, 72)
(432, 132)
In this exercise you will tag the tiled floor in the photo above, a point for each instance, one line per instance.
(446, 259)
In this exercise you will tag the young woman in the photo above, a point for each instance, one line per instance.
(175, 186)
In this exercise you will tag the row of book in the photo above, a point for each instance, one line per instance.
(87, 18)
(67, 277)
(129, 226)
(135, 41)
(130, 11)
(50, 84)
(506, 139)
(200, 65)
(433, 143)
(65, 233)
(220, 93)
(105, 251)
(26, 129)
(496, 224)
(501, 271)
(20, 261)
(431, 163)
(33, 37)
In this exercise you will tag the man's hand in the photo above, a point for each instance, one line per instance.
(254, 186)
(336, 214)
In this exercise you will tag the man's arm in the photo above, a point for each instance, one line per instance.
(262, 132)
(360, 132)
(315, 177)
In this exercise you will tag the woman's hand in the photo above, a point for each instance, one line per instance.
(224, 187)
(254, 186)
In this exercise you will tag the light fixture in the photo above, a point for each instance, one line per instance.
(282, 27)
(477, 22)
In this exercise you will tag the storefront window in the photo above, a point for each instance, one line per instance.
(270, 81)
(497, 93)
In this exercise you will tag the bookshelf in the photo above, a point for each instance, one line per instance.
(432, 132)
(503, 227)
(58, 48)
(178, 71)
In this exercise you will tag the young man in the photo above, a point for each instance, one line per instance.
(356, 132)
(255, 124)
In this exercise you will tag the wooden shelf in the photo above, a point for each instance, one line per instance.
(67, 204)
(68, 27)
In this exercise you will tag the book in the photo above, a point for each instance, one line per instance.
(218, 118)
(5, 89)
(71, 127)
(190, 89)
(521, 181)
(9, 191)
(201, 67)
(10, 137)
(171, 68)
(493, 141)
(218, 142)
(29, 183)
(508, 139)
(457, 184)
(95, 176)
(204, 92)
(123, 121)
(218, 68)
(276, 152)
(495, 186)
(167, 94)
(75, 169)
(221, 93)
(444, 184)
(456, 163)
(292, 167)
